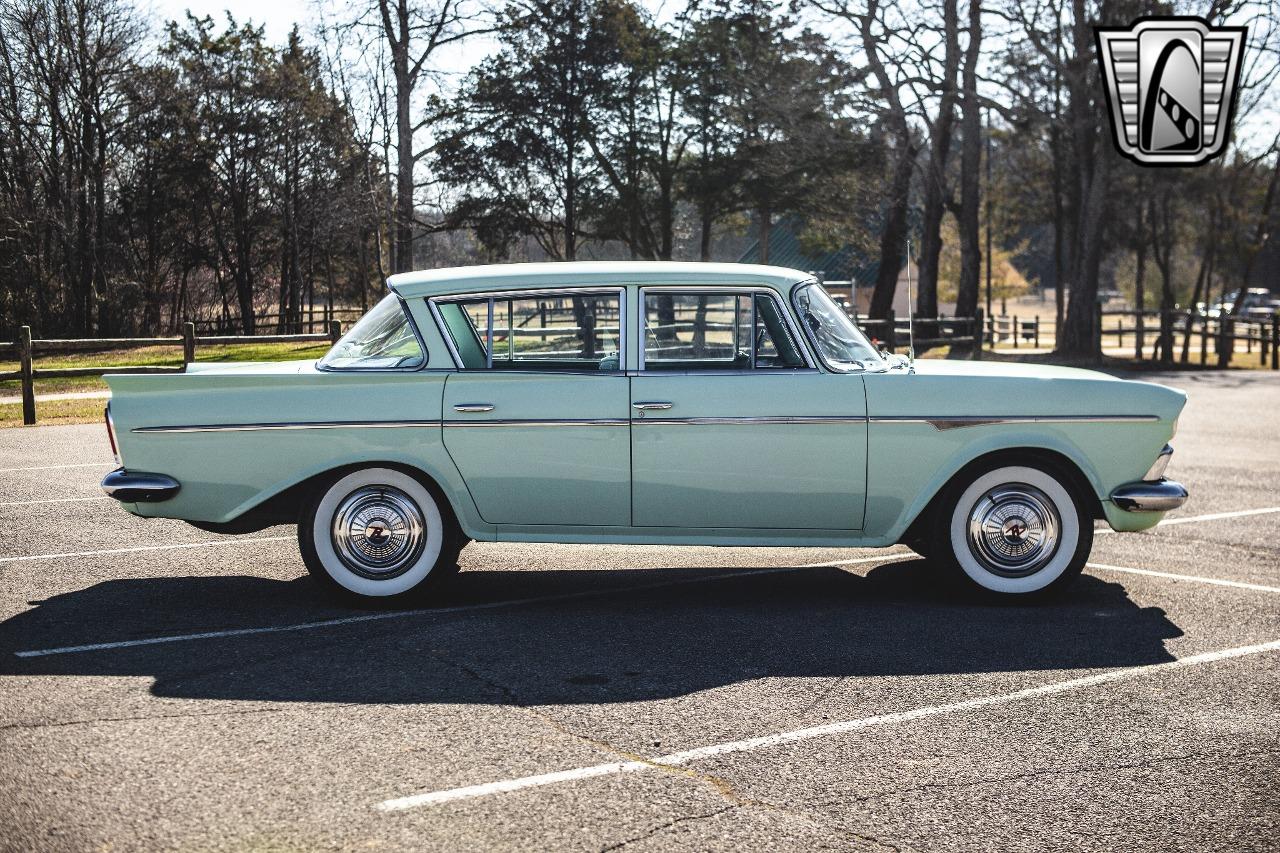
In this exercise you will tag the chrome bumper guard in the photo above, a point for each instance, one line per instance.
(129, 488)
(1160, 496)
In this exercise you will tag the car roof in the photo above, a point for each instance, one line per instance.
(451, 280)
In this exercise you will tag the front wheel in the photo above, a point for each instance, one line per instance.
(377, 533)
(1015, 530)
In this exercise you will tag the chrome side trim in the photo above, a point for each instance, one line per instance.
(270, 427)
(539, 422)
(937, 422)
(946, 422)
(1161, 496)
(739, 421)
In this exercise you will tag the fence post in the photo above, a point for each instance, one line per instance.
(1226, 340)
(1016, 333)
(1166, 336)
(979, 334)
(1275, 342)
(1097, 325)
(28, 376)
(1204, 340)
(335, 330)
(891, 332)
(188, 343)
(1037, 331)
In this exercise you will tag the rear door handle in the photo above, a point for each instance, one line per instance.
(473, 407)
(648, 405)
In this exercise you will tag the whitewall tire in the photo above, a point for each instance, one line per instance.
(377, 533)
(1015, 530)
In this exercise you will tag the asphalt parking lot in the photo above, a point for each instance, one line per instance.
(163, 688)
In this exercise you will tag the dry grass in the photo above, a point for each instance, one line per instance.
(84, 411)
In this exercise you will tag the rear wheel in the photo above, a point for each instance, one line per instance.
(1014, 530)
(378, 534)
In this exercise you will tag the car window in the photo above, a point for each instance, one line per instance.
(382, 339)
(555, 332)
(716, 331)
(839, 343)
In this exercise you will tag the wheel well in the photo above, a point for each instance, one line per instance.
(1033, 456)
(285, 506)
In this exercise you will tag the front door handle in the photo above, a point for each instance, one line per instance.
(473, 407)
(647, 405)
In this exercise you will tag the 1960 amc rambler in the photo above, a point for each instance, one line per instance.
(670, 403)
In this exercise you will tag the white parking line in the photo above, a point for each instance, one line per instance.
(215, 543)
(677, 759)
(54, 501)
(52, 467)
(1215, 516)
(1174, 576)
(461, 608)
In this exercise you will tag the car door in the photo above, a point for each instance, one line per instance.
(733, 427)
(536, 418)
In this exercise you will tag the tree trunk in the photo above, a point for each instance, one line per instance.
(766, 233)
(398, 40)
(1089, 192)
(893, 237)
(936, 174)
(970, 166)
(704, 240)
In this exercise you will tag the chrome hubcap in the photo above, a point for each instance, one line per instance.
(1014, 530)
(378, 532)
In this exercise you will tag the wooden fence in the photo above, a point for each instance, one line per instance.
(27, 349)
(894, 333)
(1189, 336)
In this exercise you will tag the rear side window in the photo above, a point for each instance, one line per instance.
(547, 332)
(383, 339)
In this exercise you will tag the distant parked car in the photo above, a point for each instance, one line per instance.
(711, 404)
(1257, 303)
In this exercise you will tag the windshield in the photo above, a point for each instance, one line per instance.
(840, 343)
(382, 339)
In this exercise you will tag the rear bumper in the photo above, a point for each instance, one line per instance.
(1158, 496)
(132, 487)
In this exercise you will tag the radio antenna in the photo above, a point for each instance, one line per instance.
(911, 302)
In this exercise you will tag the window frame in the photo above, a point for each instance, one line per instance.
(417, 334)
(493, 296)
(753, 291)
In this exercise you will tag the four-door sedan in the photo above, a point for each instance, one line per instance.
(672, 403)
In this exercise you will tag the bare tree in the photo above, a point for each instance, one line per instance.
(413, 34)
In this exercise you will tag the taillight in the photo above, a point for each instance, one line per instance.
(111, 433)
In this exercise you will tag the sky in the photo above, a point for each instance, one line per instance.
(1254, 132)
(278, 16)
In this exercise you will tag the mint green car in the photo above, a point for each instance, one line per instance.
(641, 402)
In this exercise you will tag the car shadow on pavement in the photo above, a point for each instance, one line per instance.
(616, 644)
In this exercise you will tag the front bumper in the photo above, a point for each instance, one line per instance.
(1159, 496)
(132, 487)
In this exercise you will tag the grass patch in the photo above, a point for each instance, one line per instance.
(169, 356)
(55, 412)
